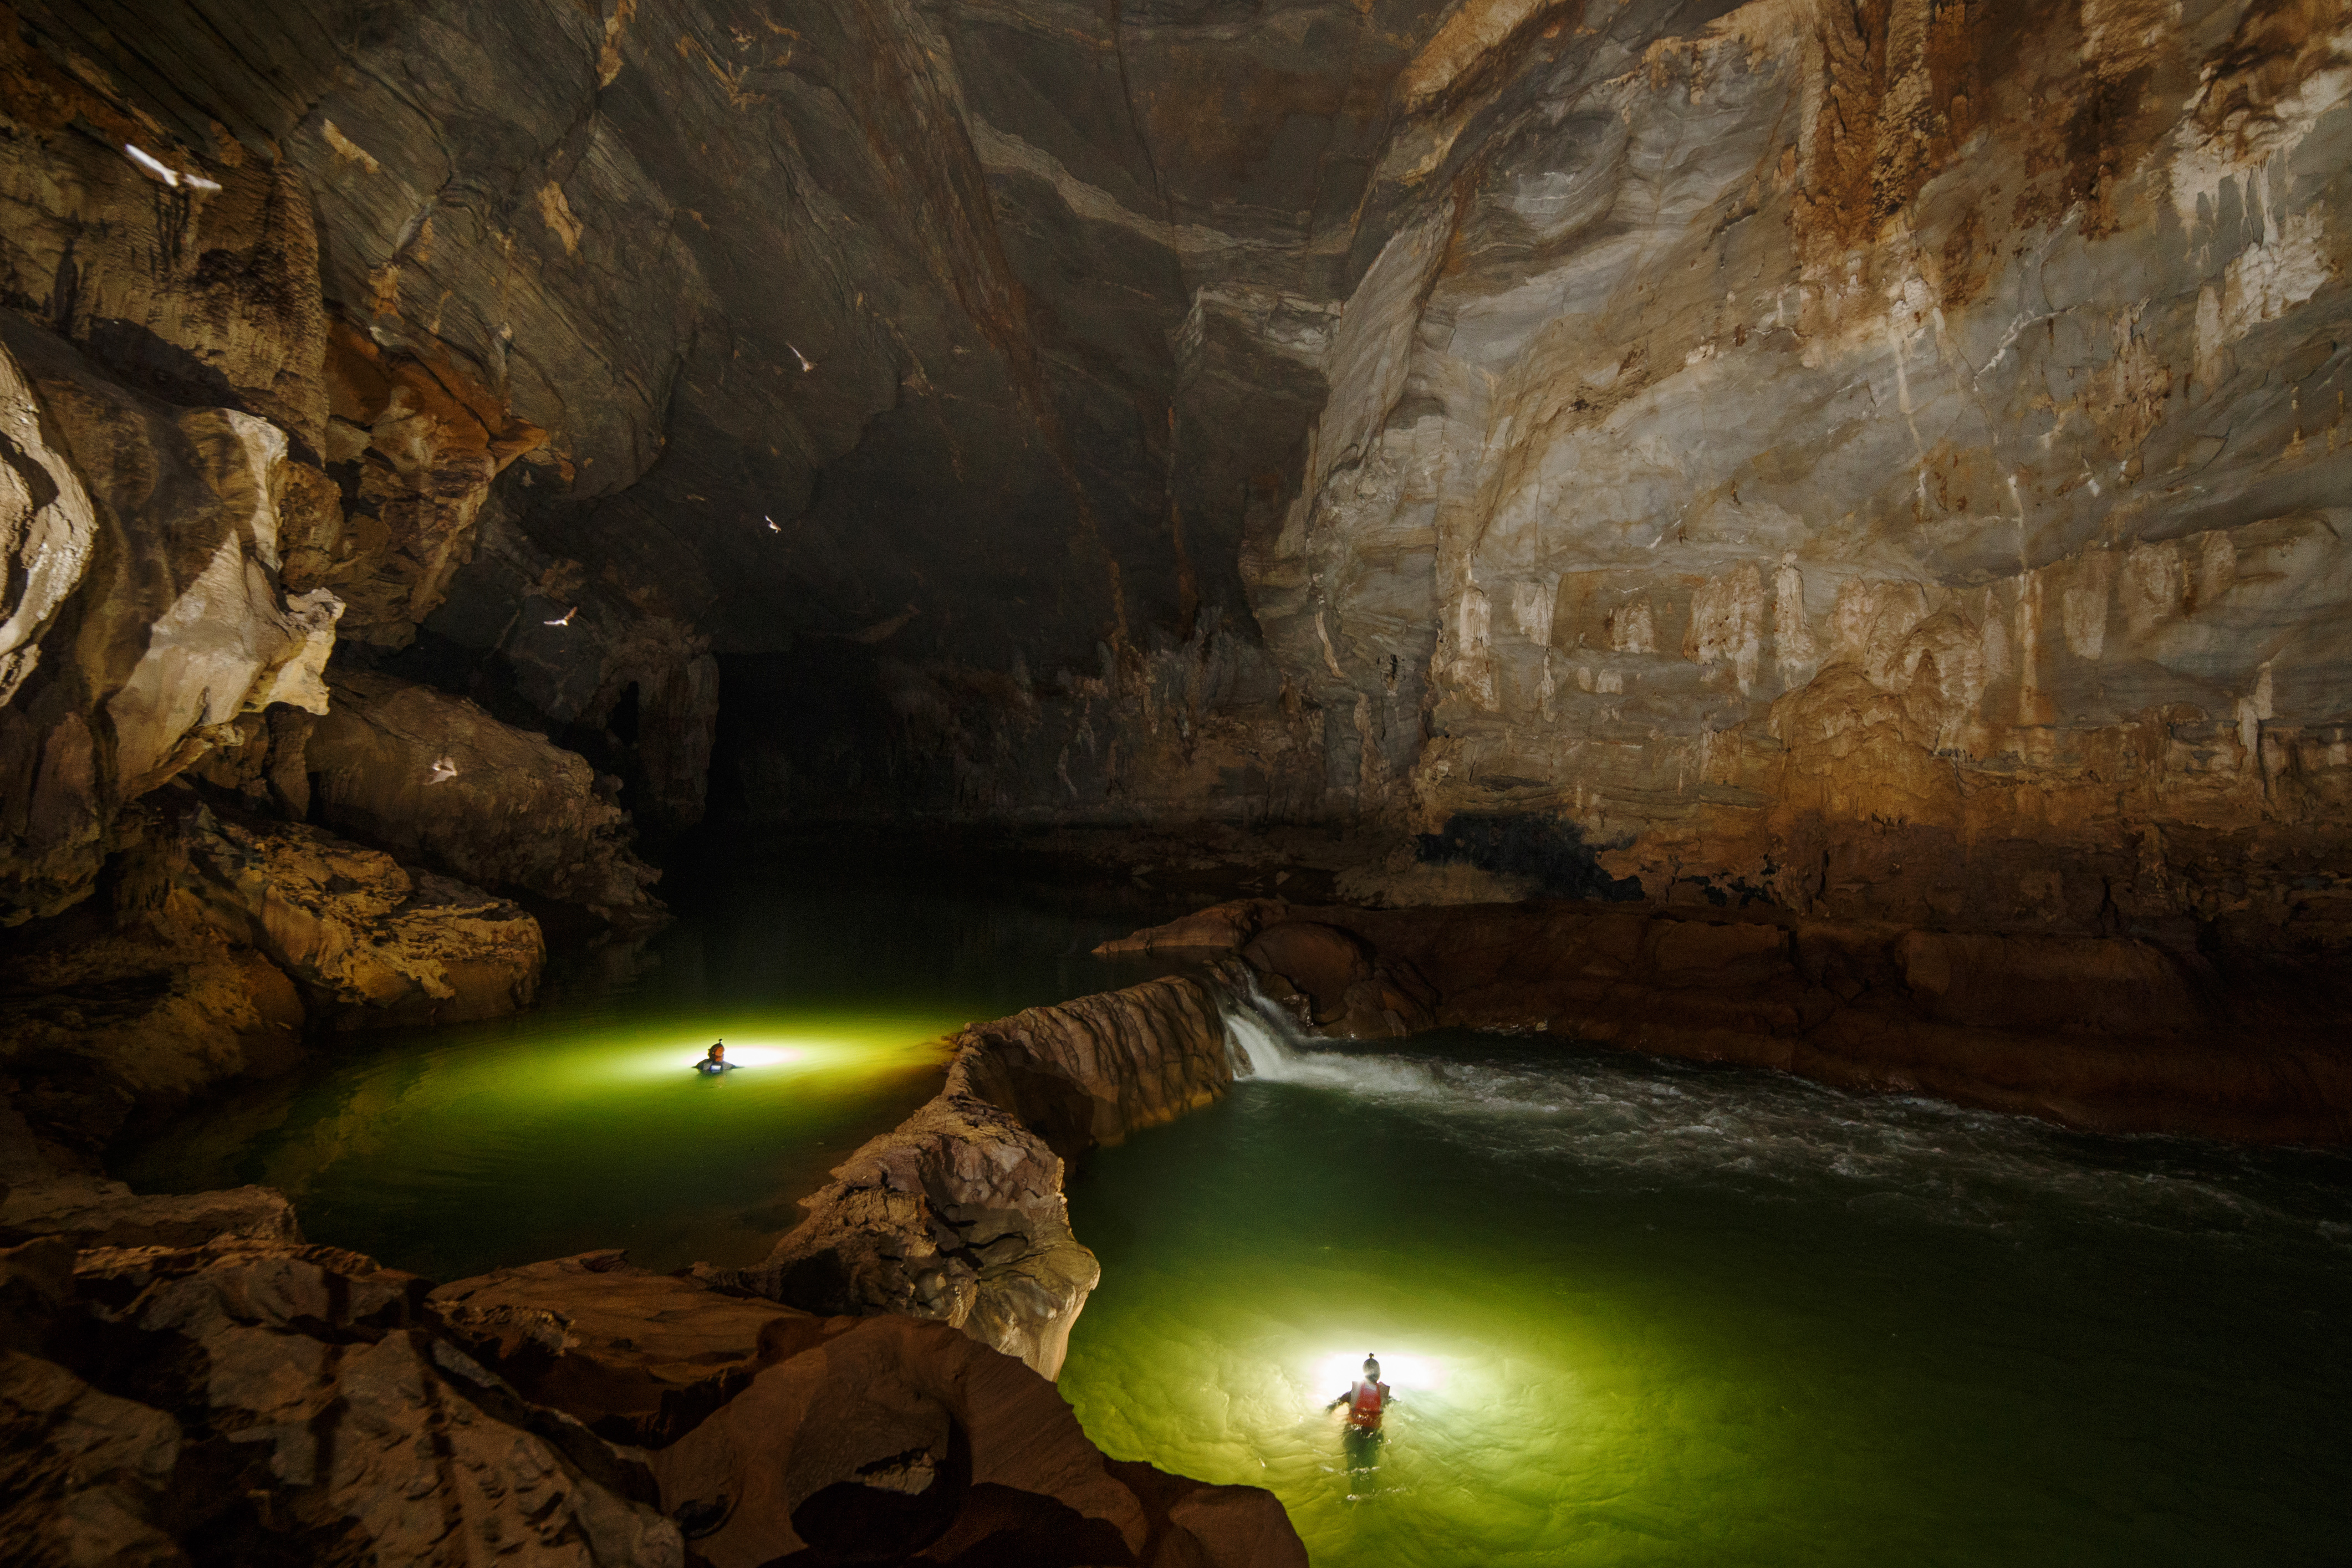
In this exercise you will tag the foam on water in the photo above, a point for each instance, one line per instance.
(1567, 1111)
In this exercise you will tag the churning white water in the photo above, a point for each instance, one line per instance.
(1770, 1135)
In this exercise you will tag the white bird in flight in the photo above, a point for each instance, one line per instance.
(806, 365)
(566, 620)
(773, 526)
(443, 771)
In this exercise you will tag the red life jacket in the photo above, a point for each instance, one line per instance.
(1364, 1408)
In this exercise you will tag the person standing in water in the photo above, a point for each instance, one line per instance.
(1365, 1398)
(716, 1060)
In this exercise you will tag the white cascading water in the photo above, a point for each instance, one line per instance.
(1266, 1043)
(1681, 1121)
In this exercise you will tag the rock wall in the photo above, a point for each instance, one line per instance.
(147, 613)
(510, 810)
(1883, 459)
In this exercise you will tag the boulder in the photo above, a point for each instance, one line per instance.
(957, 1215)
(518, 812)
(641, 1357)
(885, 1438)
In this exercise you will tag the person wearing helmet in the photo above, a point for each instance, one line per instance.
(1365, 1398)
(716, 1063)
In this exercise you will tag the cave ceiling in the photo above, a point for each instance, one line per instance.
(916, 283)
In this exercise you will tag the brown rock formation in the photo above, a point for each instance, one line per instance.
(958, 1212)
(151, 618)
(885, 1435)
(2109, 1033)
(518, 812)
(780, 1435)
(257, 1400)
(223, 938)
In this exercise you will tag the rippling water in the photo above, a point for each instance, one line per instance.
(1645, 1312)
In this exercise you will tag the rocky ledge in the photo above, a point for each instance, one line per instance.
(2116, 1034)
(957, 1214)
(260, 1400)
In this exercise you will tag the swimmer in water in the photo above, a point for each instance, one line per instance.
(1365, 1398)
(716, 1060)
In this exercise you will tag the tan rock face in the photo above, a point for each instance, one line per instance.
(153, 617)
(1910, 492)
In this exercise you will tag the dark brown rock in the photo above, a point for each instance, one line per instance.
(640, 1357)
(259, 1401)
(517, 813)
(892, 1435)
(2113, 1033)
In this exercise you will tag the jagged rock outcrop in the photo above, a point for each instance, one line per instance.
(251, 1401)
(2111, 1033)
(151, 615)
(776, 1434)
(222, 940)
(518, 812)
(957, 1213)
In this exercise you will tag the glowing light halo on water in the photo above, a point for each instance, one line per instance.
(1403, 1372)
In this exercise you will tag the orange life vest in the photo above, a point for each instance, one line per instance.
(1364, 1406)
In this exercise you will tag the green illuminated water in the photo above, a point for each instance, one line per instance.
(580, 1124)
(1643, 1312)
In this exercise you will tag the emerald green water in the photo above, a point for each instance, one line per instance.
(1645, 1313)
(581, 1124)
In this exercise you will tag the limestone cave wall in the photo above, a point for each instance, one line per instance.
(1880, 458)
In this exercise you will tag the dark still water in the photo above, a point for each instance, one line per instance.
(1644, 1312)
(581, 1124)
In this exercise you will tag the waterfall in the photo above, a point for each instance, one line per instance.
(1259, 1034)
(1266, 1042)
